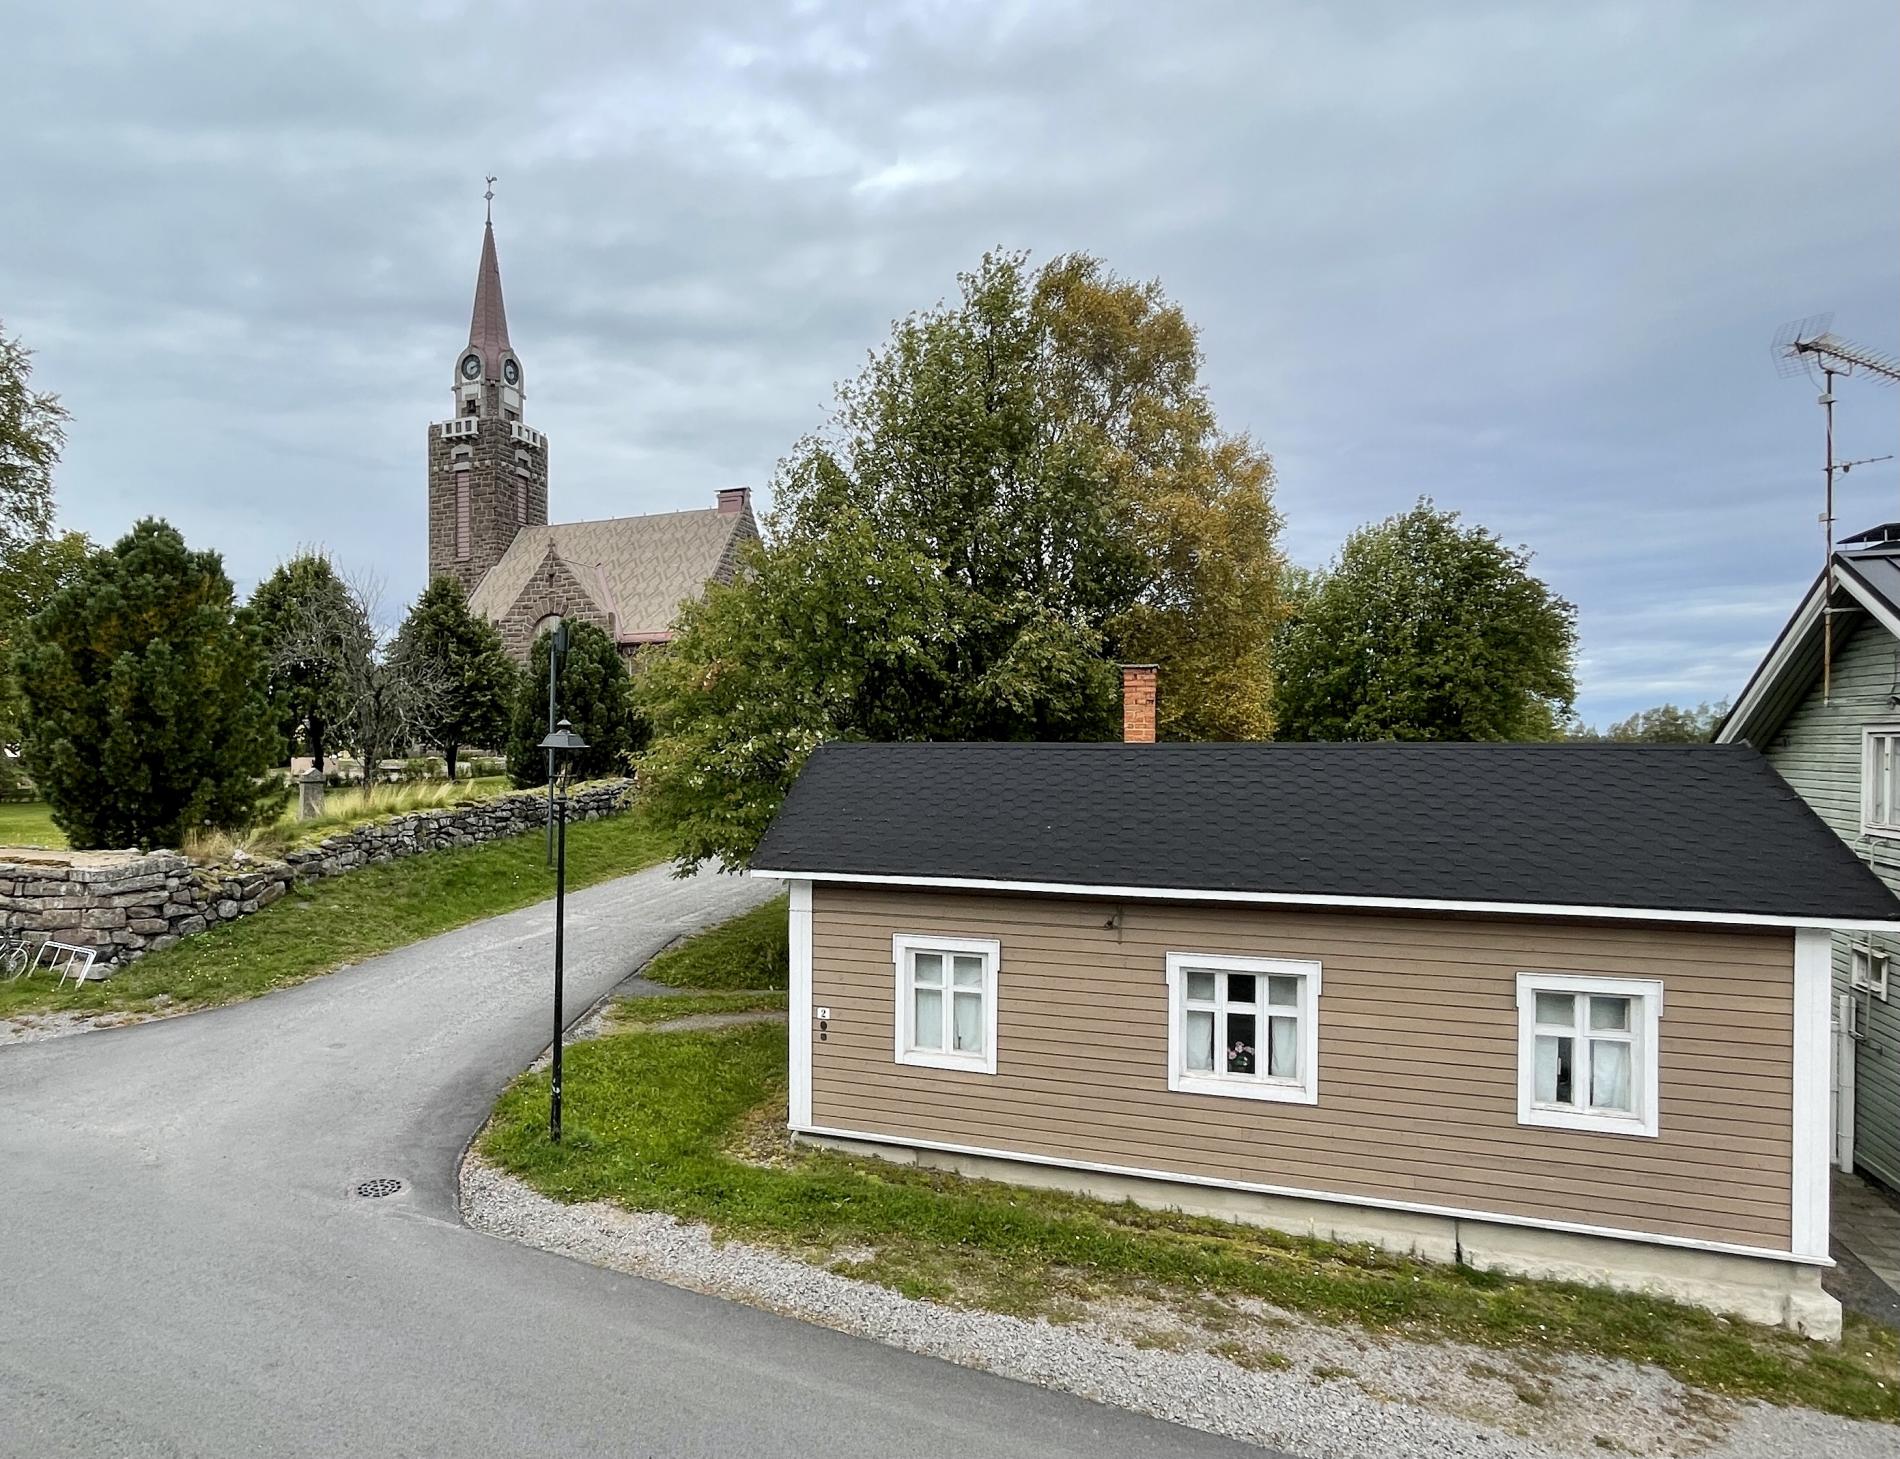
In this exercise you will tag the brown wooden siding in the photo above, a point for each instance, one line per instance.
(1417, 1057)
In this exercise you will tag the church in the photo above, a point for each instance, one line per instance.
(488, 513)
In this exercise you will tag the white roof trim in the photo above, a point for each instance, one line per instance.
(1768, 673)
(1305, 899)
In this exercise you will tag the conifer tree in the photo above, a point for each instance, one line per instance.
(144, 688)
(595, 696)
(444, 642)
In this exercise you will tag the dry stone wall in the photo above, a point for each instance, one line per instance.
(124, 908)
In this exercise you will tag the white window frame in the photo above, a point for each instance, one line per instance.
(1303, 1089)
(1646, 995)
(903, 946)
(1872, 739)
(1868, 971)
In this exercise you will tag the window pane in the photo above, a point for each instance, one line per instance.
(1613, 1013)
(928, 1029)
(1240, 987)
(1200, 1040)
(967, 970)
(1283, 1048)
(969, 1022)
(1558, 1008)
(1240, 1043)
(1552, 1081)
(927, 967)
(1200, 987)
(1283, 991)
(1610, 1075)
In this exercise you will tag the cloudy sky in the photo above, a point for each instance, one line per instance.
(1524, 257)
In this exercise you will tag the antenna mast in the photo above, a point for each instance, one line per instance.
(1799, 349)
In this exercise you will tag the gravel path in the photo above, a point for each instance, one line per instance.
(1323, 1392)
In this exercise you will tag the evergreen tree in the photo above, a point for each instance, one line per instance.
(448, 645)
(316, 640)
(594, 695)
(1425, 630)
(145, 708)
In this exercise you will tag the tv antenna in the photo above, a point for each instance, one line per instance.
(1809, 347)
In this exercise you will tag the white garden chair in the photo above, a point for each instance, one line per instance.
(65, 960)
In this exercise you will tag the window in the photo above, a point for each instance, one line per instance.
(946, 1001)
(1867, 972)
(1586, 1052)
(1880, 781)
(461, 516)
(1243, 1026)
(521, 502)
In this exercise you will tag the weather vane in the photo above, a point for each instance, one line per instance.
(489, 198)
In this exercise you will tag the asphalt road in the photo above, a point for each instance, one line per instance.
(186, 1270)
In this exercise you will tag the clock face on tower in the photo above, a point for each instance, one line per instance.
(511, 372)
(472, 367)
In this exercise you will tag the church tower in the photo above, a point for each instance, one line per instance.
(488, 470)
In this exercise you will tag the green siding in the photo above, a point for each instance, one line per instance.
(1818, 751)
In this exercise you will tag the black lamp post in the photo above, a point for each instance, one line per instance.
(557, 650)
(562, 740)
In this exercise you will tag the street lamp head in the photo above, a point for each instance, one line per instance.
(564, 738)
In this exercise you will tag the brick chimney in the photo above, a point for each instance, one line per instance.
(1138, 704)
(734, 501)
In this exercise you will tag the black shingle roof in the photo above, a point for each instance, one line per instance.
(1699, 828)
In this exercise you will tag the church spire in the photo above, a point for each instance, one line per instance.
(488, 328)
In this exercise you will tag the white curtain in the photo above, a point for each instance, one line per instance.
(1283, 1048)
(1547, 1059)
(1610, 1074)
(1200, 1040)
(927, 1033)
(969, 1022)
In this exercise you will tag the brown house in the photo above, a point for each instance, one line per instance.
(488, 513)
(1559, 1010)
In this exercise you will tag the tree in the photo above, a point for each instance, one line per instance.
(1664, 725)
(1020, 489)
(443, 641)
(144, 687)
(32, 433)
(32, 571)
(1425, 630)
(594, 696)
(317, 639)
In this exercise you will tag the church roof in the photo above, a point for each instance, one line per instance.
(638, 570)
(488, 328)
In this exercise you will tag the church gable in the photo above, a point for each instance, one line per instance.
(555, 589)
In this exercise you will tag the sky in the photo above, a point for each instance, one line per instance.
(1524, 258)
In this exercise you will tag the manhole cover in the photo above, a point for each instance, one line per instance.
(376, 1189)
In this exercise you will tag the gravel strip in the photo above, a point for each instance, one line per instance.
(33, 1028)
(1318, 1391)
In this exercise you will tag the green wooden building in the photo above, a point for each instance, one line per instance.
(1824, 706)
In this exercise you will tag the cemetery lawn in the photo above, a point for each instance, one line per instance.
(29, 823)
(343, 919)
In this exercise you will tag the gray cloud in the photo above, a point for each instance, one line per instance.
(1523, 259)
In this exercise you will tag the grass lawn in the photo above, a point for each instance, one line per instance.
(750, 951)
(691, 1123)
(29, 823)
(345, 919)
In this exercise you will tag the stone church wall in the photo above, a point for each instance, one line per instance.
(126, 908)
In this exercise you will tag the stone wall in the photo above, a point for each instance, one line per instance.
(124, 905)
